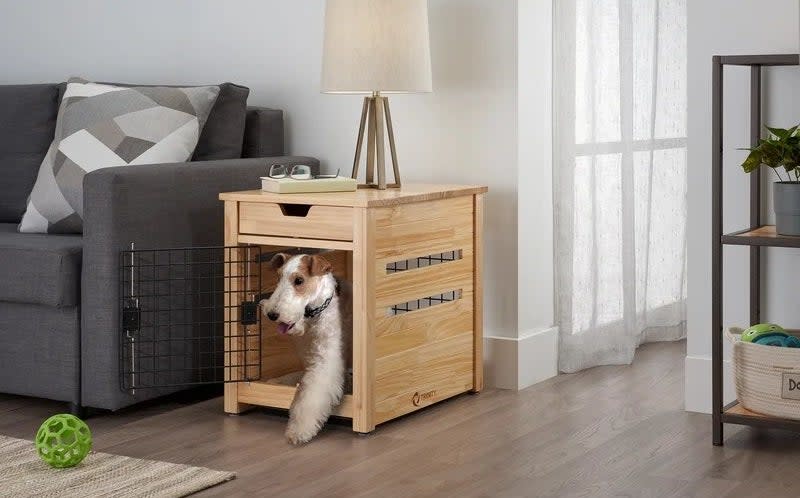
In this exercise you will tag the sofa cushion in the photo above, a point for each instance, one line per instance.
(263, 134)
(39, 269)
(223, 133)
(27, 122)
(101, 126)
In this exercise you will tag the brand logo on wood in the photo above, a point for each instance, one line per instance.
(790, 387)
(419, 397)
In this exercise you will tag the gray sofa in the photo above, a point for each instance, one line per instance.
(59, 294)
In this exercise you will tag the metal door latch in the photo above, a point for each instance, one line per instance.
(248, 313)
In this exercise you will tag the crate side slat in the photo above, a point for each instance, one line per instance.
(423, 375)
(391, 289)
(438, 243)
(363, 273)
(416, 230)
(423, 211)
(395, 334)
(230, 314)
(421, 230)
(478, 294)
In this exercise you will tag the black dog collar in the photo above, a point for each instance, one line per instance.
(315, 312)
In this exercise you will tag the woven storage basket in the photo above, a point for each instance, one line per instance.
(767, 377)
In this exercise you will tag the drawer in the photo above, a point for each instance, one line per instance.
(296, 220)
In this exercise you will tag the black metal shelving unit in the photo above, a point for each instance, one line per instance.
(756, 236)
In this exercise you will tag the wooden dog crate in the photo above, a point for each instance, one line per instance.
(413, 256)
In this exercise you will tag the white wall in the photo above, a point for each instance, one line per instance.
(466, 131)
(536, 344)
(535, 158)
(721, 27)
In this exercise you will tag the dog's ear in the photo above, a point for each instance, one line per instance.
(278, 260)
(317, 265)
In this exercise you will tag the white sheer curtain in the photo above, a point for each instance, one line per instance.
(620, 176)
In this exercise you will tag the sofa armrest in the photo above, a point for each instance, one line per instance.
(153, 206)
(263, 133)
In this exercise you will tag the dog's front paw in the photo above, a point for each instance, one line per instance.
(297, 434)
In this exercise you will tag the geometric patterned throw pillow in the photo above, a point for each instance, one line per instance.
(102, 126)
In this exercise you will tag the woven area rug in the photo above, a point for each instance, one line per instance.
(23, 474)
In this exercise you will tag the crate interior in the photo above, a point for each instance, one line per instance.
(280, 362)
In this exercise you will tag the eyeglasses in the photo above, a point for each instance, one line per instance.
(296, 172)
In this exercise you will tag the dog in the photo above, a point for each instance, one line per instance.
(313, 307)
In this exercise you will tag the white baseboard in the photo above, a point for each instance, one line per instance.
(519, 362)
(697, 384)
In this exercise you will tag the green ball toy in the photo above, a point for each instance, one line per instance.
(753, 333)
(63, 440)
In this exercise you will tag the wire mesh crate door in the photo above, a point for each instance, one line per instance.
(180, 309)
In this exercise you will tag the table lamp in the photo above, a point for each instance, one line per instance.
(376, 47)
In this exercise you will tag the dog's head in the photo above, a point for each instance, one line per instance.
(304, 280)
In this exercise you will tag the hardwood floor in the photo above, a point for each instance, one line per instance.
(607, 431)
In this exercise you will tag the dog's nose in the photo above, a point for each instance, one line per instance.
(272, 316)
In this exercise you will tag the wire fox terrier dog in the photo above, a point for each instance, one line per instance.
(315, 309)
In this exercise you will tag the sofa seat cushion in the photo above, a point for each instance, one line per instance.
(39, 269)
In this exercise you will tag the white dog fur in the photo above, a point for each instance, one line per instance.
(323, 340)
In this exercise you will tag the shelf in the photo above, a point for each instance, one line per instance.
(735, 413)
(759, 60)
(762, 236)
(755, 236)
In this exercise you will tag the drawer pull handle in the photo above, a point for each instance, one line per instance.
(296, 210)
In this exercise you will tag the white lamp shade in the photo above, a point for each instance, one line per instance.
(376, 45)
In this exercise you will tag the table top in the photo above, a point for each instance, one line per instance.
(363, 197)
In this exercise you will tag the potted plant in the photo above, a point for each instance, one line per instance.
(781, 151)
